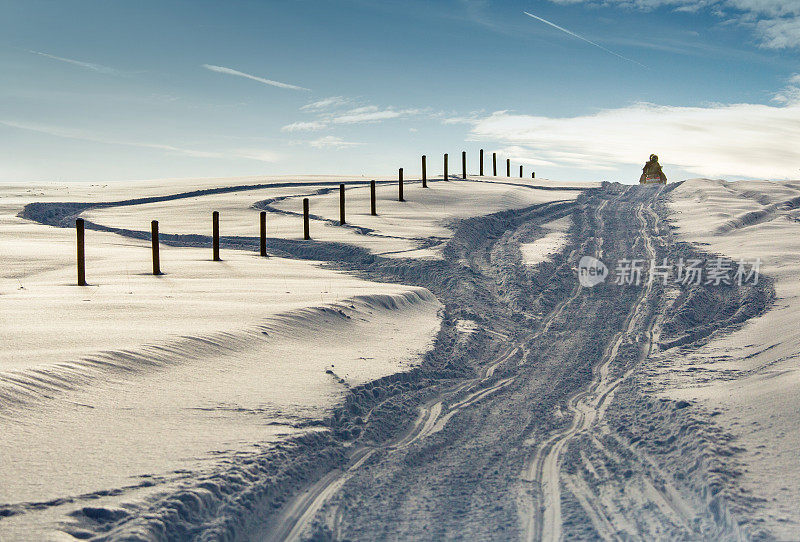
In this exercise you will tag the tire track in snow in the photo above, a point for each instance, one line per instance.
(299, 513)
(544, 467)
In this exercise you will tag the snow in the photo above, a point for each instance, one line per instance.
(396, 229)
(126, 388)
(751, 377)
(551, 243)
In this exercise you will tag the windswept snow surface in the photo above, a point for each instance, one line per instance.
(192, 404)
(749, 380)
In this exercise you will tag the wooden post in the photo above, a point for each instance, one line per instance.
(508, 167)
(306, 233)
(481, 168)
(424, 173)
(154, 242)
(533, 174)
(494, 164)
(445, 166)
(372, 210)
(215, 234)
(520, 172)
(400, 185)
(341, 205)
(263, 232)
(463, 164)
(81, 256)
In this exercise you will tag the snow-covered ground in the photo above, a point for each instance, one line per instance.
(134, 385)
(750, 379)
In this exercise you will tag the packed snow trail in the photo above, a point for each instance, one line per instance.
(513, 431)
(569, 349)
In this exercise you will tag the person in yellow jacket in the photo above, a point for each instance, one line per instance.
(651, 172)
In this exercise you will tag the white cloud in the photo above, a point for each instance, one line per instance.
(776, 22)
(230, 71)
(745, 140)
(99, 68)
(781, 33)
(372, 113)
(332, 142)
(326, 103)
(305, 126)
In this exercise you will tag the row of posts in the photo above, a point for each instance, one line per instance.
(80, 225)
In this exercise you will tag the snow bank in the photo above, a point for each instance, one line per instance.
(750, 379)
(187, 396)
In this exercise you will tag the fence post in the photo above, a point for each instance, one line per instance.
(494, 164)
(341, 205)
(306, 233)
(481, 168)
(463, 164)
(263, 232)
(445, 166)
(508, 167)
(520, 172)
(372, 209)
(424, 173)
(215, 234)
(400, 185)
(154, 242)
(81, 256)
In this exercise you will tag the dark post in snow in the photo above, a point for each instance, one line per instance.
(424, 172)
(533, 174)
(400, 185)
(372, 210)
(445, 166)
(508, 167)
(520, 172)
(154, 242)
(481, 167)
(81, 256)
(306, 234)
(263, 232)
(215, 234)
(341, 205)
(494, 164)
(463, 164)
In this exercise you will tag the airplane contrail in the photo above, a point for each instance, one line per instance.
(590, 42)
(231, 71)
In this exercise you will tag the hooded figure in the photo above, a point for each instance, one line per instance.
(651, 172)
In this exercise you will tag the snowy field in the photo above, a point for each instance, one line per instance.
(750, 379)
(432, 372)
(134, 387)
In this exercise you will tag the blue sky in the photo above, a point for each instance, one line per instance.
(107, 90)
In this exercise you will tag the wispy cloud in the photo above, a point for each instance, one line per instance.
(355, 115)
(230, 71)
(71, 133)
(326, 103)
(99, 68)
(371, 113)
(590, 42)
(309, 126)
(332, 142)
(743, 140)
